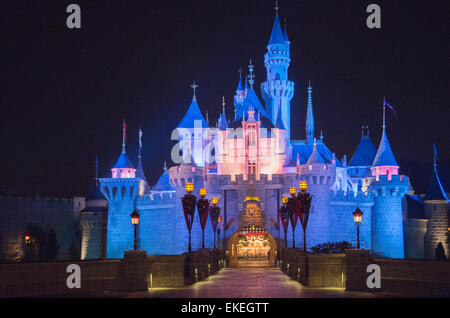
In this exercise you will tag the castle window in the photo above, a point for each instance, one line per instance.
(277, 77)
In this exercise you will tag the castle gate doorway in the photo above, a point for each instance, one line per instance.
(252, 246)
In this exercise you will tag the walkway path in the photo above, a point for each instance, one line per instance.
(248, 283)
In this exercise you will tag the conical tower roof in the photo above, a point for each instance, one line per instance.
(123, 162)
(435, 189)
(277, 33)
(384, 156)
(364, 154)
(163, 183)
(315, 157)
(223, 123)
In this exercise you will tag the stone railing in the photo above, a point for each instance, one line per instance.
(137, 271)
(314, 270)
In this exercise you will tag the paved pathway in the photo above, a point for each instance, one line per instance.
(248, 283)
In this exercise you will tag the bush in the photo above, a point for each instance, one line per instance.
(332, 248)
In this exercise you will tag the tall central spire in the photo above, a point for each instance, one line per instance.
(309, 117)
(251, 76)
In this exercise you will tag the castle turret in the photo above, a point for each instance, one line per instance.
(388, 189)
(277, 90)
(320, 176)
(93, 226)
(436, 207)
(121, 192)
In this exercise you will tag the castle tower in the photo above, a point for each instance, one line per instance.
(143, 186)
(121, 191)
(388, 189)
(93, 223)
(190, 132)
(436, 207)
(320, 176)
(277, 91)
(93, 226)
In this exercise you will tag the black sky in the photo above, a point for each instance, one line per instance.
(63, 93)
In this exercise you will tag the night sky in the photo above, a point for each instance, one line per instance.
(63, 93)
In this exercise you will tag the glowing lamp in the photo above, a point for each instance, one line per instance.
(357, 215)
(135, 217)
(189, 187)
(203, 192)
(303, 185)
(214, 201)
(219, 219)
(27, 239)
(292, 190)
(284, 200)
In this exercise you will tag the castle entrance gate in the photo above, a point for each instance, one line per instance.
(252, 245)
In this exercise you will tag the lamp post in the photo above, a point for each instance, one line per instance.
(293, 213)
(135, 221)
(304, 201)
(214, 215)
(188, 202)
(357, 216)
(203, 210)
(284, 217)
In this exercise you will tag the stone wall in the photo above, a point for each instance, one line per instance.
(314, 270)
(426, 278)
(137, 271)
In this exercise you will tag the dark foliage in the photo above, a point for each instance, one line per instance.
(332, 248)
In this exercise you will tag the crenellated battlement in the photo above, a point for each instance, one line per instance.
(119, 189)
(396, 185)
(349, 196)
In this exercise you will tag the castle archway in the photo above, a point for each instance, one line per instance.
(252, 246)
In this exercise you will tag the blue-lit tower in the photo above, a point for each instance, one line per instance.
(387, 188)
(277, 90)
(121, 191)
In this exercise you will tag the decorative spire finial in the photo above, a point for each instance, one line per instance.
(194, 87)
(124, 136)
(223, 103)
(251, 76)
(285, 24)
(321, 135)
(276, 7)
(165, 167)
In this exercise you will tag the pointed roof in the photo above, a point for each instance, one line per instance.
(123, 162)
(163, 183)
(309, 117)
(240, 87)
(277, 33)
(140, 171)
(384, 156)
(223, 123)
(315, 157)
(192, 115)
(95, 194)
(364, 154)
(435, 189)
(251, 101)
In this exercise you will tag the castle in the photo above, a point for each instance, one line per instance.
(249, 162)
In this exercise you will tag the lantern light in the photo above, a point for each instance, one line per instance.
(135, 217)
(27, 239)
(303, 185)
(203, 192)
(357, 215)
(189, 187)
(292, 190)
(284, 200)
(219, 219)
(214, 200)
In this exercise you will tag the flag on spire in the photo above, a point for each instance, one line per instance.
(140, 138)
(391, 108)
